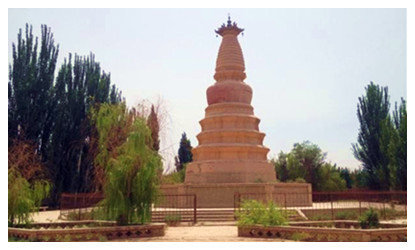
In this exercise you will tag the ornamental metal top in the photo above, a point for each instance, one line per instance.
(229, 28)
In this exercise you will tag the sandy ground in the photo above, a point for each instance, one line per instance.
(204, 232)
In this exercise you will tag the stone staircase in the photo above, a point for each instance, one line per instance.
(211, 215)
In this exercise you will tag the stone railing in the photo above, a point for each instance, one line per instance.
(85, 231)
(326, 231)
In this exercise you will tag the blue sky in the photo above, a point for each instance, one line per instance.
(307, 67)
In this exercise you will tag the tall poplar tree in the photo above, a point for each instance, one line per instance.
(53, 115)
(185, 152)
(30, 88)
(153, 124)
(80, 86)
(372, 111)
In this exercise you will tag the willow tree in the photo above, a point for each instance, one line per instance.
(27, 186)
(129, 164)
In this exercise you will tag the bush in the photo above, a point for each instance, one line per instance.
(299, 180)
(254, 212)
(300, 236)
(174, 178)
(369, 219)
(24, 197)
(173, 218)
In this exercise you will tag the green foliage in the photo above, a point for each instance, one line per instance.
(175, 177)
(299, 180)
(53, 114)
(281, 166)
(131, 167)
(369, 219)
(346, 215)
(320, 216)
(345, 175)
(16, 239)
(80, 86)
(306, 163)
(184, 154)
(254, 212)
(102, 238)
(391, 213)
(153, 124)
(24, 198)
(300, 236)
(330, 179)
(397, 148)
(381, 142)
(172, 218)
(30, 87)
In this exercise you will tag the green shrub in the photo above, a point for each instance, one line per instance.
(300, 236)
(173, 218)
(174, 178)
(254, 212)
(369, 219)
(299, 180)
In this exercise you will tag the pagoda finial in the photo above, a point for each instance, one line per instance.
(230, 28)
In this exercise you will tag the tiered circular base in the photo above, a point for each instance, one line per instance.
(230, 171)
(230, 147)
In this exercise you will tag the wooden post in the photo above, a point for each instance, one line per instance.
(285, 205)
(384, 206)
(331, 202)
(195, 209)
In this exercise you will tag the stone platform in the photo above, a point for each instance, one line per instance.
(222, 195)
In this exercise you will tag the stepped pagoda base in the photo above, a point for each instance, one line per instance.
(230, 172)
(222, 195)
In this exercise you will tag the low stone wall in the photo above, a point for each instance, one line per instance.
(327, 231)
(222, 195)
(85, 231)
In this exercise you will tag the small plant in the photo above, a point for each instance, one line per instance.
(254, 212)
(102, 238)
(89, 236)
(17, 239)
(300, 236)
(320, 217)
(369, 219)
(390, 213)
(67, 238)
(299, 180)
(173, 219)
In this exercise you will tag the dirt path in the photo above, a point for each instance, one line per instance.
(207, 232)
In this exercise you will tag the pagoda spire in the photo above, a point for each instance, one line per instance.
(230, 146)
(230, 63)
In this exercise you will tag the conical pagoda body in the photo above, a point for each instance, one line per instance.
(230, 146)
